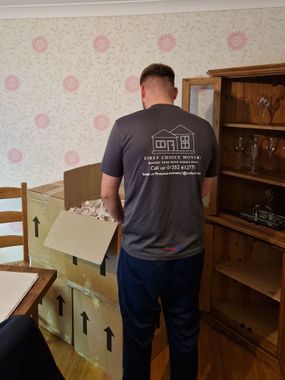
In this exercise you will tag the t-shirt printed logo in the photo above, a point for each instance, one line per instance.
(173, 153)
(179, 140)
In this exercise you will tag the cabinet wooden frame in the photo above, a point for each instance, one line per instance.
(244, 283)
(204, 83)
(211, 208)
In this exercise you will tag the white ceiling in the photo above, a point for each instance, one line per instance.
(79, 8)
(66, 2)
(211, 4)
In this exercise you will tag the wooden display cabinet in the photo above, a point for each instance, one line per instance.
(243, 287)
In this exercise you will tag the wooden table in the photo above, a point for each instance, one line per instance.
(29, 304)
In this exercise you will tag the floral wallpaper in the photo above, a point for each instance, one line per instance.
(64, 81)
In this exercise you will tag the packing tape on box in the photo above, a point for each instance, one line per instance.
(45, 198)
(96, 297)
(80, 288)
(54, 191)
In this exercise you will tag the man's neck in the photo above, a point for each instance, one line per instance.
(153, 102)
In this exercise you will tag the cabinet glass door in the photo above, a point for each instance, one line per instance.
(201, 96)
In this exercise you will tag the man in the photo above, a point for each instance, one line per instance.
(168, 158)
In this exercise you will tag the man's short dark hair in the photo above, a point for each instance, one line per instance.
(158, 70)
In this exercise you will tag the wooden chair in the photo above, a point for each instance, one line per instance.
(16, 216)
(29, 304)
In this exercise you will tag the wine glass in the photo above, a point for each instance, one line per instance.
(268, 105)
(265, 106)
(254, 151)
(270, 146)
(239, 148)
(275, 105)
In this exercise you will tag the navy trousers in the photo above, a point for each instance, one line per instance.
(24, 353)
(176, 283)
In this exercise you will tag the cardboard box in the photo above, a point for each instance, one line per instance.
(91, 245)
(44, 204)
(56, 308)
(80, 235)
(84, 251)
(98, 332)
(100, 279)
(55, 311)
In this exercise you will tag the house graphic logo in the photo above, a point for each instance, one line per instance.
(179, 140)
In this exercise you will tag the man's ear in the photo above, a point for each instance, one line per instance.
(175, 93)
(142, 92)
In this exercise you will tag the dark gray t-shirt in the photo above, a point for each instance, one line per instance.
(163, 153)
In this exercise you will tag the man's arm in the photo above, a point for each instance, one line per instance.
(110, 196)
(207, 185)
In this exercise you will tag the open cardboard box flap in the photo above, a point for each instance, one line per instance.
(82, 184)
(79, 235)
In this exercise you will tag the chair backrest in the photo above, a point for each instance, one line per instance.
(15, 216)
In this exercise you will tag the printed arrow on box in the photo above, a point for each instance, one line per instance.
(37, 222)
(60, 305)
(84, 319)
(74, 260)
(109, 334)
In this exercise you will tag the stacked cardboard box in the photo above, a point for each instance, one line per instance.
(55, 311)
(82, 306)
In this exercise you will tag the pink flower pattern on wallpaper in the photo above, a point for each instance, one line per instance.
(101, 43)
(101, 122)
(236, 40)
(62, 76)
(71, 158)
(132, 84)
(166, 42)
(42, 120)
(71, 83)
(14, 155)
(11, 82)
(40, 44)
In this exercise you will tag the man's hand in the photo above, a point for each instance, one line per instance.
(206, 185)
(110, 196)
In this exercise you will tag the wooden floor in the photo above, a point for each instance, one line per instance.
(220, 359)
